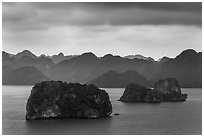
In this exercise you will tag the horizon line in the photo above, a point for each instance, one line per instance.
(47, 55)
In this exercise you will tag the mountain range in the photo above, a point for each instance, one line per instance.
(27, 75)
(107, 71)
(138, 56)
(113, 79)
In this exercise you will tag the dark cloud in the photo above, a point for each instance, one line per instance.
(152, 29)
(39, 16)
(171, 6)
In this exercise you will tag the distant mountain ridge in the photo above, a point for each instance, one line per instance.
(60, 57)
(112, 79)
(186, 67)
(24, 53)
(23, 76)
(164, 59)
(138, 56)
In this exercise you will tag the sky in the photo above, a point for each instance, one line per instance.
(152, 29)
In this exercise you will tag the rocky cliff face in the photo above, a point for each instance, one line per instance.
(57, 99)
(164, 90)
(169, 90)
(167, 86)
(135, 93)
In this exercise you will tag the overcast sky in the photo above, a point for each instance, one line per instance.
(151, 29)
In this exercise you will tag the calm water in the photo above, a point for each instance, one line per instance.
(135, 118)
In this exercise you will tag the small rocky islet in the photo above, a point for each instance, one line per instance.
(164, 90)
(57, 99)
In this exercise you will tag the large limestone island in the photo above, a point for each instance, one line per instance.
(164, 90)
(57, 99)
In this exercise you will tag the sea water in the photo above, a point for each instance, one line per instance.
(165, 118)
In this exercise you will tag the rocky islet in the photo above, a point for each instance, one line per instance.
(164, 90)
(57, 99)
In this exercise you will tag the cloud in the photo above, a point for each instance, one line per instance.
(32, 16)
(151, 29)
(169, 6)
(149, 40)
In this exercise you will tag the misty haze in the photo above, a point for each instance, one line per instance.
(114, 68)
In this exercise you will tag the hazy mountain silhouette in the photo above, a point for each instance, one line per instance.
(6, 70)
(43, 64)
(186, 67)
(24, 53)
(87, 67)
(60, 57)
(138, 56)
(75, 69)
(5, 56)
(112, 79)
(164, 59)
(7, 60)
(23, 76)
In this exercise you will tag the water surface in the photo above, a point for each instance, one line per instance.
(134, 118)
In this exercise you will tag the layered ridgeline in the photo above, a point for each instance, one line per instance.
(27, 75)
(88, 68)
(113, 79)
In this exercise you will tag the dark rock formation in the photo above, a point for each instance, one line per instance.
(169, 90)
(57, 99)
(164, 90)
(135, 93)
